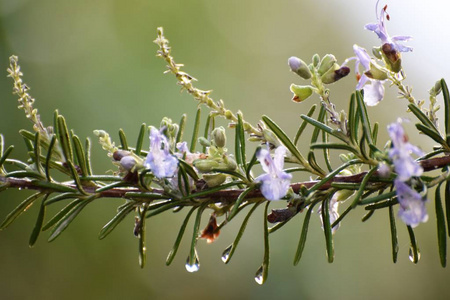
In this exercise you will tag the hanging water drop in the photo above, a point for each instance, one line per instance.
(412, 255)
(226, 254)
(193, 266)
(259, 276)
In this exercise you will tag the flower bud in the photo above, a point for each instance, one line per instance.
(299, 67)
(316, 60)
(334, 74)
(391, 57)
(204, 142)
(205, 165)
(327, 63)
(343, 195)
(376, 72)
(213, 180)
(119, 154)
(128, 162)
(230, 162)
(301, 92)
(376, 52)
(219, 137)
(436, 89)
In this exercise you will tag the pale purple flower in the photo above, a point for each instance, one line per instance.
(382, 34)
(159, 160)
(405, 166)
(373, 89)
(412, 205)
(275, 183)
(184, 153)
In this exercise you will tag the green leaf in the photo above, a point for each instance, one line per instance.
(61, 197)
(161, 209)
(326, 153)
(284, 139)
(327, 228)
(423, 118)
(39, 221)
(61, 214)
(75, 177)
(123, 139)
(378, 198)
(364, 117)
(183, 180)
(181, 129)
(320, 119)
(56, 187)
(196, 129)
(193, 258)
(119, 217)
(141, 235)
(394, 240)
(64, 138)
(447, 205)
(229, 251)
(325, 128)
(367, 216)
(252, 163)
(363, 187)
(140, 139)
(80, 155)
(87, 146)
(414, 254)
(212, 190)
(65, 221)
(446, 95)
(352, 124)
(441, 232)
(263, 271)
(5, 155)
(333, 174)
(49, 157)
(24, 174)
(303, 235)
(334, 146)
(303, 125)
(431, 133)
(177, 243)
(241, 136)
(239, 201)
(189, 169)
(21, 208)
(37, 153)
(313, 163)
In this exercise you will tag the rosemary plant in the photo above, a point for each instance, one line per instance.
(220, 182)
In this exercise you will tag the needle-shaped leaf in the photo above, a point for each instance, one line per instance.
(229, 251)
(177, 243)
(123, 139)
(140, 139)
(22, 207)
(441, 231)
(394, 239)
(303, 235)
(196, 129)
(118, 218)
(39, 221)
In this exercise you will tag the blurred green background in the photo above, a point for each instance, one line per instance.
(95, 62)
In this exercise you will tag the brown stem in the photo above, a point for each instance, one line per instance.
(228, 195)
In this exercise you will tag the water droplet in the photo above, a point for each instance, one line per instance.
(226, 254)
(194, 266)
(259, 276)
(412, 256)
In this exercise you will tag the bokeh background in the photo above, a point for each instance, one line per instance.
(95, 62)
